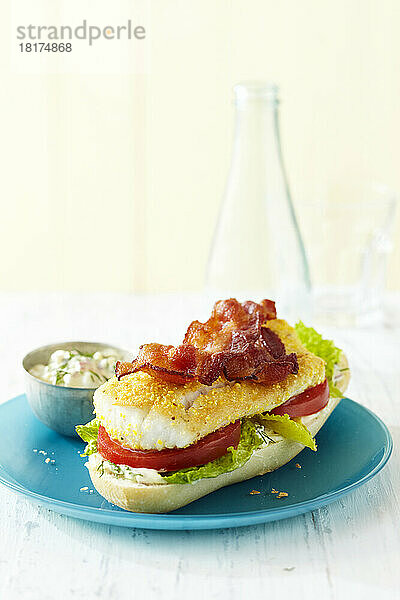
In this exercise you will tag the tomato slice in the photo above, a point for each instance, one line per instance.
(307, 403)
(209, 448)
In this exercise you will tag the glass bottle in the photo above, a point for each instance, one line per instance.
(257, 250)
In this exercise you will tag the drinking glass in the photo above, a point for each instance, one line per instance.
(348, 241)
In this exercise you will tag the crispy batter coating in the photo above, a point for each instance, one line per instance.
(144, 412)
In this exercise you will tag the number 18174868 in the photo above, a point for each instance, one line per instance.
(45, 47)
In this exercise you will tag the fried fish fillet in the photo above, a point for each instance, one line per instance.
(142, 412)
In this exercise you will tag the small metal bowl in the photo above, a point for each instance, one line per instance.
(59, 407)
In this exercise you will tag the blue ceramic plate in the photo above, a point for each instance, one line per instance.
(353, 446)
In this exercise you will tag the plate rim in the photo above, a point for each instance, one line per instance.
(213, 519)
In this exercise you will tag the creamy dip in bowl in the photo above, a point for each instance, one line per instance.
(60, 380)
(76, 368)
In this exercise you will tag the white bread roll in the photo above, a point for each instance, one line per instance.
(155, 498)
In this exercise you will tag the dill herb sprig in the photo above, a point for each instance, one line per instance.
(85, 354)
(94, 374)
(60, 376)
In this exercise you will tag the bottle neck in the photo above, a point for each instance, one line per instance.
(256, 149)
(257, 115)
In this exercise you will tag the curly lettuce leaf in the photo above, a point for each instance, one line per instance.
(291, 429)
(89, 434)
(325, 349)
(233, 459)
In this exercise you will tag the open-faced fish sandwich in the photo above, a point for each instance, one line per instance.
(241, 396)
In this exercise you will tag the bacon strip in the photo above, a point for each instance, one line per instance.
(234, 343)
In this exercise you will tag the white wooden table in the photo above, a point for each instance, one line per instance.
(349, 549)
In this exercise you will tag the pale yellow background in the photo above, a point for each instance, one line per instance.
(113, 181)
